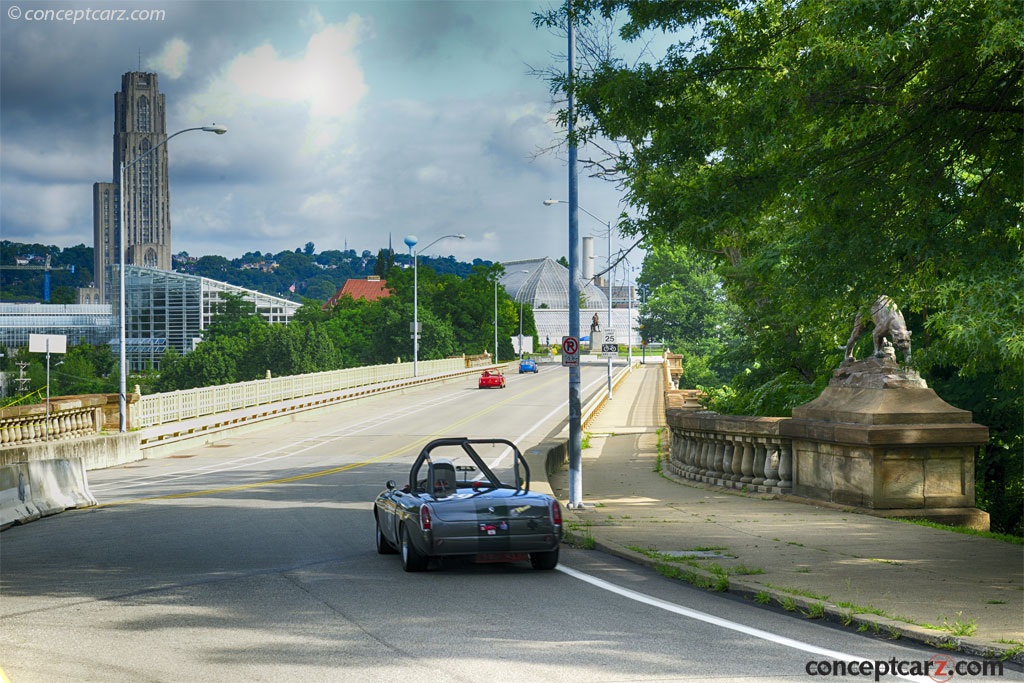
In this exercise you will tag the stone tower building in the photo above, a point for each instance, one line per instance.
(139, 126)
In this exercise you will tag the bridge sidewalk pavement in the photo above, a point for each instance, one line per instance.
(877, 575)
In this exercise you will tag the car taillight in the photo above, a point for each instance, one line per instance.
(425, 518)
(556, 513)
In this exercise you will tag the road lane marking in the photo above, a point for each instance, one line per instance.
(402, 450)
(720, 622)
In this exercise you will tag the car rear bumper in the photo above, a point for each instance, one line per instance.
(474, 545)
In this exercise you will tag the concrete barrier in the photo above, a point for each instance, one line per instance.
(16, 496)
(35, 489)
(96, 452)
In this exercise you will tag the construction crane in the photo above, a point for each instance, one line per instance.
(46, 268)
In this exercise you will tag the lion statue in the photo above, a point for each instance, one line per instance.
(888, 322)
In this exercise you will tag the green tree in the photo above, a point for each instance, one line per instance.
(833, 152)
(828, 153)
(385, 260)
(233, 316)
(687, 309)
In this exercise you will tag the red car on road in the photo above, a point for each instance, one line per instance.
(491, 378)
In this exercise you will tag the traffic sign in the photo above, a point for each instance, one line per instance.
(570, 351)
(610, 349)
(607, 337)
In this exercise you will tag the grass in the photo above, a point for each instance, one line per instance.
(658, 449)
(996, 536)
(959, 626)
(815, 611)
(713, 576)
(580, 535)
(1017, 649)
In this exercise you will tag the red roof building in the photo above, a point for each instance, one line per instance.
(371, 289)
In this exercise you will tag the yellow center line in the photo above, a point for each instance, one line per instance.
(412, 446)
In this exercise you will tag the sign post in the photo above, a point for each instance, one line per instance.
(47, 343)
(609, 347)
(570, 352)
(610, 350)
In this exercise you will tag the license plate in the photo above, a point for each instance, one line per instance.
(483, 558)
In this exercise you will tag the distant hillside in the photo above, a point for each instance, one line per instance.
(290, 274)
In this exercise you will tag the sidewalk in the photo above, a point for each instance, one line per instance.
(874, 574)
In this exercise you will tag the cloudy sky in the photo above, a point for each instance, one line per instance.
(348, 121)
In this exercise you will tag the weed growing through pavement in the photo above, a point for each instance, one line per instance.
(580, 535)
(959, 627)
(816, 610)
(672, 566)
(1017, 649)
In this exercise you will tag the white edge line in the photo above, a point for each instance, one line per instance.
(718, 621)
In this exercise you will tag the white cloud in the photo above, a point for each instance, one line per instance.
(172, 60)
(326, 78)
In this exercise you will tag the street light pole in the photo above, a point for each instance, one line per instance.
(552, 202)
(495, 319)
(123, 357)
(410, 242)
(629, 314)
(610, 326)
(519, 296)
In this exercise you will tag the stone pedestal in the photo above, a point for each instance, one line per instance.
(879, 438)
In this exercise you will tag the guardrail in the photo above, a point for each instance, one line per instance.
(73, 417)
(190, 404)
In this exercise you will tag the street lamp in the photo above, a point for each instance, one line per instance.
(495, 318)
(518, 292)
(552, 202)
(411, 241)
(123, 358)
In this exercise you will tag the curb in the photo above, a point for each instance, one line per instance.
(878, 625)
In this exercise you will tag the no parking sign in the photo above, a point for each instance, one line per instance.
(570, 351)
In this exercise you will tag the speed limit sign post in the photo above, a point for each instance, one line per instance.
(570, 352)
(609, 347)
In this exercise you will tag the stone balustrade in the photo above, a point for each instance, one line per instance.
(68, 417)
(745, 453)
(876, 439)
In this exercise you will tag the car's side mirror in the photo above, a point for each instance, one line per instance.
(391, 484)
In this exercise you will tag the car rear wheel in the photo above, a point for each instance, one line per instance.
(412, 559)
(384, 547)
(546, 560)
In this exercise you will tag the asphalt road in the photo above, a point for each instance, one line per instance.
(253, 560)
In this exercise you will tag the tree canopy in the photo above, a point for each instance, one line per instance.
(830, 152)
(823, 154)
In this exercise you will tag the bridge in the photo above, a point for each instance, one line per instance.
(898, 449)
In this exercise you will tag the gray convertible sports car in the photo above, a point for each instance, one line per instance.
(456, 504)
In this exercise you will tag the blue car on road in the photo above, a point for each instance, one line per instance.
(528, 365)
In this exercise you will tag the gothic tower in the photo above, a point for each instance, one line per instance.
(139, 126)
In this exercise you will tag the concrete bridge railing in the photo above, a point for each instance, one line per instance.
(75, 417)
(877, 439)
